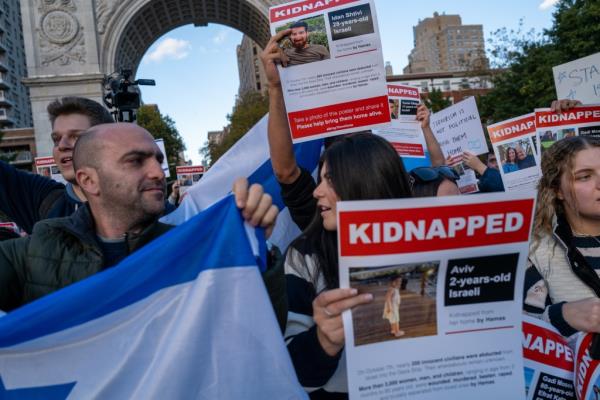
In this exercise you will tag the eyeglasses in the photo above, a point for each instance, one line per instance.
(429, 174)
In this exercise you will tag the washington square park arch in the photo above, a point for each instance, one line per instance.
(71, 45)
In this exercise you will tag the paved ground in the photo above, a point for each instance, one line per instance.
(417, 316)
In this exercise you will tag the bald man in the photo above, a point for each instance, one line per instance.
(118, 167)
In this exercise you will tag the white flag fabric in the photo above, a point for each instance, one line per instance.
(185, 317)
(250, 158)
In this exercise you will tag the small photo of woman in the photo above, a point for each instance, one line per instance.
(509, 163)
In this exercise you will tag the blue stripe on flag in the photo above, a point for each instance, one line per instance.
(307, 156)
(215, 238)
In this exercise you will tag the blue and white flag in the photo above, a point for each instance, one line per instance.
(250, 158)
(187, 316)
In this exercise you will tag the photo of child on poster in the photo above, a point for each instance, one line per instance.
(403, 306)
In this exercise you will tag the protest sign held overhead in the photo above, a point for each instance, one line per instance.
(552, 127)
(579, 80)
(458, 128)
(514, 141)
(334, 81)
(446, 275)
(405, 132)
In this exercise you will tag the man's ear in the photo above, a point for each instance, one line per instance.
(87, 179)
(559, 194)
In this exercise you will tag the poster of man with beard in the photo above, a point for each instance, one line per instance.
(303, 52)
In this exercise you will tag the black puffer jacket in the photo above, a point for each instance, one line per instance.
(62, 251)
(59, 252)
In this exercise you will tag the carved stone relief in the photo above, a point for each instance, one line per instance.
(105, 9)
(59, 33)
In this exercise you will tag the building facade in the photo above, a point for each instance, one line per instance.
(15, 107)
(444, 44)
(454, 85)
(250, 68)
(18, 147)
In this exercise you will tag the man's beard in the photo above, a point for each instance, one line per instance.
(300, 44)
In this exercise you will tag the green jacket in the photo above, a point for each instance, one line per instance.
(62, 251)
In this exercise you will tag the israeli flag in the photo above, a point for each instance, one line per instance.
(185, 317)
(250, 158)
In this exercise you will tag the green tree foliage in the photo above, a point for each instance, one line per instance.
(318, 38)
(249, 109)
(528, 58)
(436, 101)
(162, 127)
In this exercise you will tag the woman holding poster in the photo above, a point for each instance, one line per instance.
(315, 331)
(562, 283)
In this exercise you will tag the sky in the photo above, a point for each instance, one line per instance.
(196, 72)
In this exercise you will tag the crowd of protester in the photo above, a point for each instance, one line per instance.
(116, 192)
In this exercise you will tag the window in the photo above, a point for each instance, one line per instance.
(447, 85)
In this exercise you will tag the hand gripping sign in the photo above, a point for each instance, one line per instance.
(446, 278)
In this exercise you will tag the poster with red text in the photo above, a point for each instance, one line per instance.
(513, 141)
(446, 275)
(579, 121)
(587, 370)
(334, 81)
(405, 132)
(549, 362)
(46, 166)
(188, 176)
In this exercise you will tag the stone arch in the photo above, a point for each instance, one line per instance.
(71, 45)
(131, 30)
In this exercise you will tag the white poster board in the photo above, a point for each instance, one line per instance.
(458, 128)
(579, 79)
(446, 275)
(552, 127)
(514, 145)
(549, 362)
(46, 166)
(405, 132)
(334, 82)
(187, 176)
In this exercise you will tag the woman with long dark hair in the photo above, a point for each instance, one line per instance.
(354, 167)
(361, 166)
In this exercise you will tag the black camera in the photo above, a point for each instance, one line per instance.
(123, 95)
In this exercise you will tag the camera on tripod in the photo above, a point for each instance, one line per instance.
(124, 95)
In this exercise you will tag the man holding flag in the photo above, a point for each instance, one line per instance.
(118, 166)
(184, 316)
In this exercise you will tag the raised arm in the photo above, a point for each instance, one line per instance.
(433, 146)
(280, 142)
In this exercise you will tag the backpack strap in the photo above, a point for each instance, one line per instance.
(49, 202)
